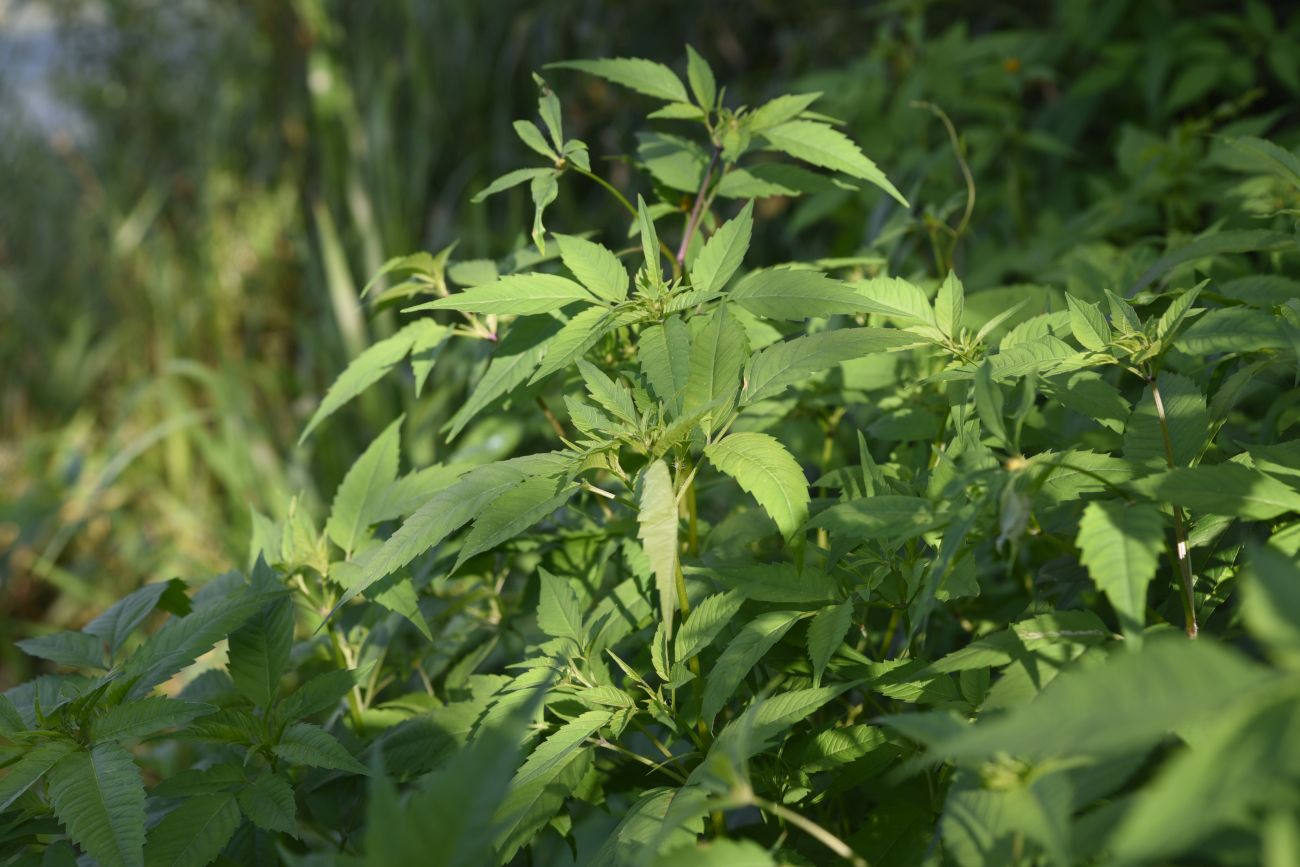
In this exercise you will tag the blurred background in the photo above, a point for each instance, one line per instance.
(192, 193)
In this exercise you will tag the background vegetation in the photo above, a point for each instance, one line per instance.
(195, 193)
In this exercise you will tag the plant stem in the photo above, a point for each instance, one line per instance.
(631, 209)
(1182, 553)
(808, 826)
(693, 222)
(550, 418)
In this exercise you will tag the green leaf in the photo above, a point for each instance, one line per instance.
(193, 834)
(1088, 324)
(116, 624)
(795, 295)
(657, 530)
(705, 621)
(703, 84)
(307, 744)
(825, 634)
(98, 797)
(559, 611)
(268, 802)
(780, 109)
(259, 652)
(775, 368)
(1120, 545)
(595, 266)
(1236, 329)
(520, 294)
(649, 243)
(723, 252)
(643, 76)
(544, 190)
(717, 358)
(509, 180)
(370, 366)
(755, 638)
(184, 639)
(446, 512)
(1223, 489)
(146, 716)
(763, 467)
(889, 516)
(77, 649)
(35, 762)
(895, 298)
(990, 404)
(717, 853)
(783, 583)
(513, 511)
(1270, 601)
(515, 359)
(1131, 700)
(664, 353)
(364, 489)
(823, 145)
(322, 693)
(578, 335)
(1217, 244)
(531, 136)
(949, 306)
(1186, 417)
(613, 396)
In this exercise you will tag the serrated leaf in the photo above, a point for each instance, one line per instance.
(649, 243)
(795, 295)
(322, 693)
(1270, 602)
(1088, 324)
(776, 367)
(1121, 545)
(950, 305)
(98, 797)
(717, 358)
(664, 353)
(990, 404)
(513, 511)
(34, 764)
(764, 468)
(643, 76)
(519, 294)
(116, 624)
(613, 396)
(509, 180)
(559, 611)
(76, 649)
(193, 834)
(1236, 329)
(703, 84)
(364, 489)
(146, 716)
(706, 620)
(723, 252)
(755, 638)
(515, 359)
(595, 266)
(1217, 244)
(895, 298)
(1223, 489)
(890, 516)
(369, 367)
(268, 802)
(259, 652)
(781, 109)
(572, 341)
(825, 634)
(823, 145)
(657, 530)
(717, 853)
(307, 744)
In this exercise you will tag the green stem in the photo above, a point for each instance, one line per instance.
(631, 209)
(812, 829)
(1182, 552)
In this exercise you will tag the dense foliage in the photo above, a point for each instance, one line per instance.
(804, 562)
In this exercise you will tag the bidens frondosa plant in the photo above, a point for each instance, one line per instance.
(822, 563)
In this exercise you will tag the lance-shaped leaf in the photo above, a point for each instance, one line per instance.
(1185, 417)
(269, 804)
(559, 612)
(77, 649)
(520, 294)
(723, 252)
(774, 368)
(307, 744)
(259, 652)
(509, 180)
(1223, 489)
(795, 295)
(146, 716)
(514, 360)
(116, 624)
(595, 266)
(823, 145)
(35, 762)
(657, 520)
(194, 833)
(1120, 545)
(717, 358)
(825, 635)
(364, 489)
(1088, 324)
(643, 76)
(664, 354)
(706, 620)
(371, 365)
(755, 639)
(515, 510)
(762, 466)
(98, 797)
